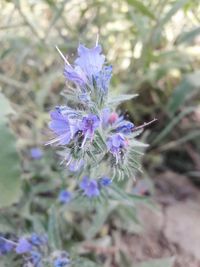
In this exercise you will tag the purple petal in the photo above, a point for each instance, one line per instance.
(36, 153)
(92, 189)
(90, 60)
(64, 196)
(84, 183)
(23, 246)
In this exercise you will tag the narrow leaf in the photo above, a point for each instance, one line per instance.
(167, 262)
(116, 100)
(187, 37)
(10, 185)
(138, 5)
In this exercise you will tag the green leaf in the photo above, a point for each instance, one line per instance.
(138, 5)
(175, 7)
(83, 262)
(166, 18)
(53, 229)
(98, 220)
(172, 124)
(10, 185)
(5, 107)
(187, 37)
(183, 91)
(167, 262)
(116, 100)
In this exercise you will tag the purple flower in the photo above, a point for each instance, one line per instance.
(105, 181)
(61, 262)
(90, 187)
(36, 258)
(103, 77)
(116, 142)
(60, 126)
(36, 153)
(38, 240)
(76, 165)
(88, 64)
(23, 246)
(88, 126)
(64, 196)
(75, 75)
(5, 246)
(90, 60)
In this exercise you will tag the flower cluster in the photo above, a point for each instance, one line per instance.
(33, 250)
(88, 129)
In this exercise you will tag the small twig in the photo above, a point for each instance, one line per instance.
(144, 125)
(62, 56)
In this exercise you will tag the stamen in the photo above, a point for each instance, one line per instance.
(97, 39)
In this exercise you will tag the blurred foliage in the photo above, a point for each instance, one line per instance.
(9, 160)
(154, 48)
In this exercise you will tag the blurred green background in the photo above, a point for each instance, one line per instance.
(154, 47)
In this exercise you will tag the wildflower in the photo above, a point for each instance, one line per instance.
(76, 165)
(63, 123)
(102, 78)
(88, 126)
(90, 187)
(62, 260)
(90, 60)
(116, 142)
(5, 246)
(113, 117)
(105, 181)
(64, 196)
(36, 258)
(75, 75)
(60, 126)
(23, 246)
(88, 63)
(36, 153)
(38, 240)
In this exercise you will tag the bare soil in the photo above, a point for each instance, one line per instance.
(173, 228)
